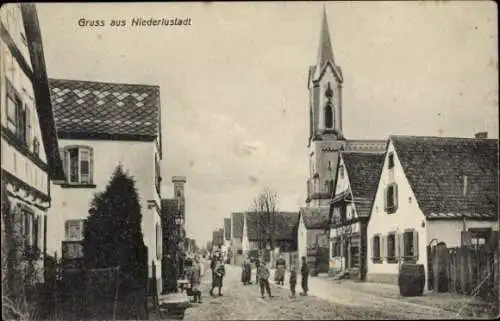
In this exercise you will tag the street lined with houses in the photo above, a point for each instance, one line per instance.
(95, 228)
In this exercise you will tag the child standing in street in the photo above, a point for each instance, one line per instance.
(293, 279)
(263, 275)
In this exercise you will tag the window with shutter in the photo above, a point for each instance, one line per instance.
(376, 249)
(391, 248)
(78, 164)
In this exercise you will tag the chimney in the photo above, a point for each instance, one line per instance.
(481, 135)
(465, 185)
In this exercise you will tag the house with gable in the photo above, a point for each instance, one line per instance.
(312, 232)
(356, 184)
(237, 221)
(29, 146)
(431, 189)
(99, 126)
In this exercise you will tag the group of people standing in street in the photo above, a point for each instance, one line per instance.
(262, 275)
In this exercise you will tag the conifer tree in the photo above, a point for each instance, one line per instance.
(112, 234)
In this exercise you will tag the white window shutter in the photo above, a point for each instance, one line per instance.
(62, 153)
(91, 166)
(415, 245)
(383, 247)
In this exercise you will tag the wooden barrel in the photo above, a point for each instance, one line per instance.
(411, 280)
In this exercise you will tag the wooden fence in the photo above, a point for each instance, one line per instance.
(467, 270)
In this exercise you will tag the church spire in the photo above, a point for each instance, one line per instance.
(325, 52)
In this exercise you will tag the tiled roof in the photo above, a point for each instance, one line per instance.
(363, 171)
(436, 167)
(285, 228)
(227, 229)
(315, 218)
(237, 221)
(90, 108)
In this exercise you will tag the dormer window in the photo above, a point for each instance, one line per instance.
(78, 164)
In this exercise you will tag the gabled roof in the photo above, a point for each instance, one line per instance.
(436, 168)
(285, 228)
(363, 170)
(237, 221)
(227, 229)
(315, 218)
(109, 110)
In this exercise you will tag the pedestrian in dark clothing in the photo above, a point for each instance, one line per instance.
(246, 273)
(263, 274)
(304, 272)
(257, 264)
(293, 280)
(218, 276)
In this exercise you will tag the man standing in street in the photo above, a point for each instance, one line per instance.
(263, 275)
(304, 271)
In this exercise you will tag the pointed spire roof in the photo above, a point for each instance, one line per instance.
(325, 52)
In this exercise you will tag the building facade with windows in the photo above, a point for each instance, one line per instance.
(431, 190)
(101, 125)
(29, 157)
(357, 182)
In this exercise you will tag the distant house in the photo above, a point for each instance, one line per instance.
(99, 126)
(431, 189)
(312, 232)
(227, 235)
(357, 181)
(237, 221)
(258, 229)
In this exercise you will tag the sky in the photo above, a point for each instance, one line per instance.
(234, 82)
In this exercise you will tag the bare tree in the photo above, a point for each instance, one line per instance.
(265, 206)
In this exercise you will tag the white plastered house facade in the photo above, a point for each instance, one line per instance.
(399, 230)
(129, 134)
(28, 160)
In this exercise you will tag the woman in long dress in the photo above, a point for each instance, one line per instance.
(246, 272)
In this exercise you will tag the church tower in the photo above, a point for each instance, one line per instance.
(325, 121)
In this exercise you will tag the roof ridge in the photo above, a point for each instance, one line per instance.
(443, 137)
(102, 82)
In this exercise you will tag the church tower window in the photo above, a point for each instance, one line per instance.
(328, 116)
(329, 107)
